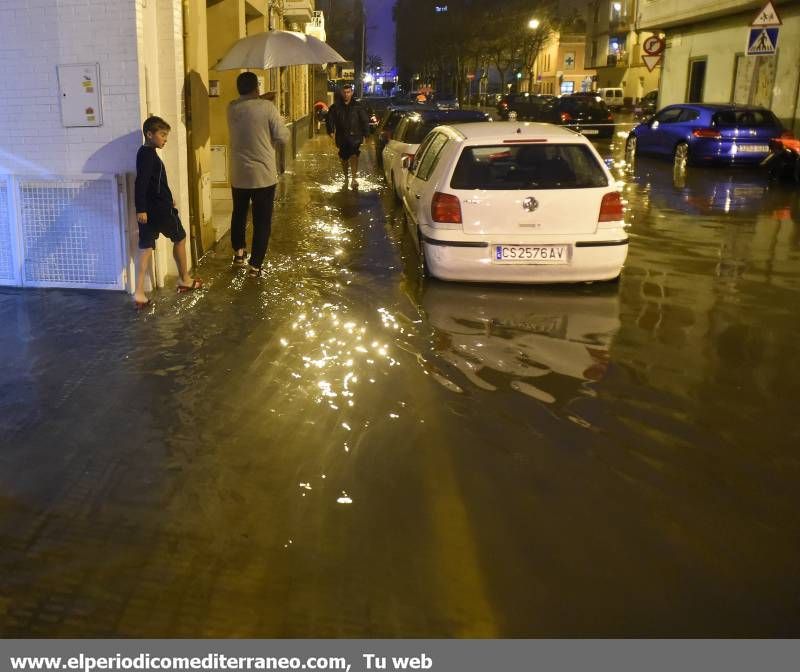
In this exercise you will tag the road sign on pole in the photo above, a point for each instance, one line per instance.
(767, 17)
(762, 41)
(651, 61)
(653, 45)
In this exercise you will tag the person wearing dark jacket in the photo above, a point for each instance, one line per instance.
(156, 212)
(348, 125)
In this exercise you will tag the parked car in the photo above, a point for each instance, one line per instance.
(526, 105)
(612, 96)
(514, 202)
(783, 160)
(704, 133)
(410, 132)
(391, 119)
(376, 107)
(445, 102)
(646, 106)
(585, 114)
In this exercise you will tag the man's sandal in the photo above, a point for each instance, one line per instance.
(240, 259)
(254, 272)
(197, 283)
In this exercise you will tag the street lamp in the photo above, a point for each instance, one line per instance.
(533, 24)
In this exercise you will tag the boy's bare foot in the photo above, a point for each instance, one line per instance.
(140, 298)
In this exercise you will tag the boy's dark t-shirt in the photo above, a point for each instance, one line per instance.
(153, 195)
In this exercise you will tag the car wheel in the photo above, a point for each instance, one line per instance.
(630, 149)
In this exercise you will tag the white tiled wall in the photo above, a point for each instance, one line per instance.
(35, 37)
(38, 35)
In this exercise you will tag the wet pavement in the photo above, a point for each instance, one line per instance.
(341, 449)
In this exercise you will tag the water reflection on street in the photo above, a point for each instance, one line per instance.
(346, 448)
(544, 343)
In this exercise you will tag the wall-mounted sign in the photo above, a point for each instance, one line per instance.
(767, 17)
(762, 41)
(79, 94)
(214, 89)
(651, 61)
(569, 60)
(653, 45)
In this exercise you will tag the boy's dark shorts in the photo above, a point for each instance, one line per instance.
(349, 147)
(169, 225)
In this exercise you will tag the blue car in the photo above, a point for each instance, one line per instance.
(697, 133)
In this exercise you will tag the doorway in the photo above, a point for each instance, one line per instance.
(697, 80)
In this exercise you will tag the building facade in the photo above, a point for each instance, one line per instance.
(614, 48)
(82, 75)
(706, 58)
(559, 67)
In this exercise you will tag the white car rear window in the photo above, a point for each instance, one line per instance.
(545, 166)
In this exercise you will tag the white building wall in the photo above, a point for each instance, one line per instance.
(35, 37)
(719, 41)
(122, 36)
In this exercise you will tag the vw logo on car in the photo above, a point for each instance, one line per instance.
(530, 204)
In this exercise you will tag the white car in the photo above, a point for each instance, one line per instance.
(408, 135)
(514, 202)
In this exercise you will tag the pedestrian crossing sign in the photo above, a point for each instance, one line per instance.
(762, 41)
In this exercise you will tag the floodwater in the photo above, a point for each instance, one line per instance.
(344, 449)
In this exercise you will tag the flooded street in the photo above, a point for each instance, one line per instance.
(343, 448)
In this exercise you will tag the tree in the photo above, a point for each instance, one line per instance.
(374, 63)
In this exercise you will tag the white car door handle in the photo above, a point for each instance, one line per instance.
(417, 196)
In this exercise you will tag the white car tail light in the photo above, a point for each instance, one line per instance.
(445, 209)
(611, 208)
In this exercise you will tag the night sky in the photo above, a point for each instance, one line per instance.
(380, 30)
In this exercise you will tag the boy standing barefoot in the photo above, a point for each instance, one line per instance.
(155, 211)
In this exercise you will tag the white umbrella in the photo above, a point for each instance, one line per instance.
(277, 48)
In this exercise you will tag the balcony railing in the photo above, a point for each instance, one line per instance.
(617, 60)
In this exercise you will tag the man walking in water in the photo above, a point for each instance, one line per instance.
(348, 124)
(255, 128)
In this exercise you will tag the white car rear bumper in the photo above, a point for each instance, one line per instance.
(593, 257)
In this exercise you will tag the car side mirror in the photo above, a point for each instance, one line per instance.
(408, 163)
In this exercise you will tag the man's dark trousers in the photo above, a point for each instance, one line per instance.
(262, 199)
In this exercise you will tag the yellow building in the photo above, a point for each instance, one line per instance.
(559, 67)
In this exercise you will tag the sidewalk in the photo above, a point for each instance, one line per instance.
(150, 462)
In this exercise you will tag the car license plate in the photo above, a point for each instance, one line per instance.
(531, 254)
(753, 148)
(589, 131)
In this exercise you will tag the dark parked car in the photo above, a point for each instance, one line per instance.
(647, 106)
(585, 114)
(705, 133)
(526, 105)
(376, 108)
